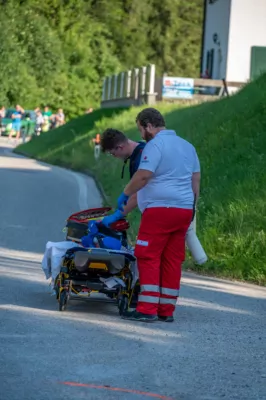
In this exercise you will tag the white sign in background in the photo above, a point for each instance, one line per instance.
(177, 88)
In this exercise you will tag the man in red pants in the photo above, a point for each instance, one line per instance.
(166, 182)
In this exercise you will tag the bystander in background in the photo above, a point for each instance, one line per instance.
(16, 124)
(97, 146)
(2, 116)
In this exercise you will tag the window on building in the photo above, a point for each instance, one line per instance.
(258, 61)
(210, 61)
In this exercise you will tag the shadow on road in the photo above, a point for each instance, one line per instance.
(199, 295)
(223, 296)
(89, 343)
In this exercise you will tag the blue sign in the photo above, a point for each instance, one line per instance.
(178, 88)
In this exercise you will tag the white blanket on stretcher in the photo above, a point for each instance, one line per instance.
(52, 259)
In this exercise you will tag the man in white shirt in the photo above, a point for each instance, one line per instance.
(166, 183)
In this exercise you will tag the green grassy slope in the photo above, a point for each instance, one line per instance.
(230, 138)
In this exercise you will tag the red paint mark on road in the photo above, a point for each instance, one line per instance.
(114, 389)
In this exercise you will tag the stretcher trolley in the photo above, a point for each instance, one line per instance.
(99, 268)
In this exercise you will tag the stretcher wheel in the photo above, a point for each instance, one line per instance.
(63, 298)
(123, 304)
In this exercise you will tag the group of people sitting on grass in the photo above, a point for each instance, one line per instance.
(42, 120)
(46, 120)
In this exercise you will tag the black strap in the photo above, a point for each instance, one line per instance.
(123, 169)
(194, 208)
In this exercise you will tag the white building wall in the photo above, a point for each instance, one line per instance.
(247, 28)
(217, 21)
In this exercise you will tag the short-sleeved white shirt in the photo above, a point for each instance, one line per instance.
(172, 160)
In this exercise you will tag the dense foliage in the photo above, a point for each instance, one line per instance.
(58, 51)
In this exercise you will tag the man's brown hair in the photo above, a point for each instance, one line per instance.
(111, 138)
(150, 116)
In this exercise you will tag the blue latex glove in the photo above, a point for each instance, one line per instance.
(110, 219)
(87, 241)
(92, 227)
(122, 201)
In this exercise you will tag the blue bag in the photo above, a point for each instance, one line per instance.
(108, 242)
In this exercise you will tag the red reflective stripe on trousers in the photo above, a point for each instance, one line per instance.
(163, 232)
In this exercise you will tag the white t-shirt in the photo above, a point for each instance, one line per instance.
(39, 119)
(61, 117)
(172, 160)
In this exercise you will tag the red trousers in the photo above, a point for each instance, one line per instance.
(160, 251)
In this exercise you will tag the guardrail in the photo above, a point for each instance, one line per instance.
(132, 87)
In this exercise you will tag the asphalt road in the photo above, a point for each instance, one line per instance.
(214, 350)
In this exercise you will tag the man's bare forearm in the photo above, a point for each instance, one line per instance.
(139, 180)
(196, 184)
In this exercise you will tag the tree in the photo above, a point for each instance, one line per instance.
(59, 51)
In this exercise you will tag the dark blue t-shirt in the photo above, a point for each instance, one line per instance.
(134, 159)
